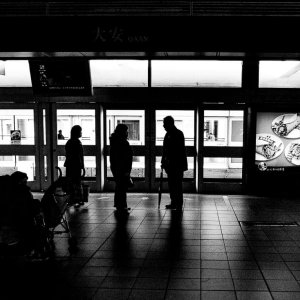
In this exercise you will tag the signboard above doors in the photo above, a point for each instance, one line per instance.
(61, 77)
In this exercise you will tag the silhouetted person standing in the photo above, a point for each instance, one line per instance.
(74, 162)
(120, 165)
(174, 161)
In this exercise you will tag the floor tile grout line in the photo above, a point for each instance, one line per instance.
(229, 205)
(96, 290)
(170, 269)
(146, 252)
(101, 246)
(225, 198)
(285, 263)
(225, 219)
(269, 290)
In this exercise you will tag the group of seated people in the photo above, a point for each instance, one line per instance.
(21, 217)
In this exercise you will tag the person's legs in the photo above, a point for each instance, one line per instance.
(172, 190)
(74, 176)
(178, 190)
(120, 201)
(175, 189)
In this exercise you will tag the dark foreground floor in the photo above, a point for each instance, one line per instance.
(203, 253)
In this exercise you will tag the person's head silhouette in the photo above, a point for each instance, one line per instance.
(169, 123)
(19, 178)
(121, 130)
(76, 132)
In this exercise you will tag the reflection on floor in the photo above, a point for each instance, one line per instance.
(204, 253)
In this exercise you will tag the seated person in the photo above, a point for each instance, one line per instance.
(8, 235)
(60, 135)
(26, 213)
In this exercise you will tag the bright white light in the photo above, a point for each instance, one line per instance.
(2, 68)
(17, 74)
(279, 74)
(196, 73)
(119, 73)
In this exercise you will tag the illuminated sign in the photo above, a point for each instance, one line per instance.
(277, 145)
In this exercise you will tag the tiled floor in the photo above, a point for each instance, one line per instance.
(203, 253)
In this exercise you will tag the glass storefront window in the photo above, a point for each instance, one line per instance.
(11, 163)
(279, 74)
(134, 119)
(60, 164)
(16, 127)
(184, 120)
(223, 128)
(138, 167)
(67, 118)
(190, 173)
(222, 167)
(89, 165)
(16, 73)
(45, 168)
(196, 73)
(119, 73)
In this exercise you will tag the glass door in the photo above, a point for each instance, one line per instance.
(223, 142)
(146, 134)
(64, 117)
(184, 121)
(135, 121)
(236, 128)
(19, 142)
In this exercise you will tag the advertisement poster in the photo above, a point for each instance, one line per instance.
(15, 137)
(277, 141)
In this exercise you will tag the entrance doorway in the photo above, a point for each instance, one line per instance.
(214, 140)
(223, 143)
(146, 135)
(19, 141)
(63, 118)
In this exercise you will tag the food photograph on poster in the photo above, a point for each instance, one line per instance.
(277, 147)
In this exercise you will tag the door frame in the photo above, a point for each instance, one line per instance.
(149, 150)
(53, 150)
(27, 150)
(140, 185)
(211, 185)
